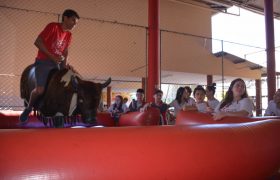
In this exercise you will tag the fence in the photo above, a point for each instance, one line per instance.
(102, 49)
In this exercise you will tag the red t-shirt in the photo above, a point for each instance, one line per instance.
(55, 39)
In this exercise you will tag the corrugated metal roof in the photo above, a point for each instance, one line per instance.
(252, 5)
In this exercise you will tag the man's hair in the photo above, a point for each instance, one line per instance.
(140, 91)
(212, 88)
(158, 91)
(70, 13)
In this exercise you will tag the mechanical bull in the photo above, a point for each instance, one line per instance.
(66, 94)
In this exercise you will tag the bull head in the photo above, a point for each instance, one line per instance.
(89, 94)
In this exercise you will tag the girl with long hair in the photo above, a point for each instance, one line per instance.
(235, 103)
(179, 102)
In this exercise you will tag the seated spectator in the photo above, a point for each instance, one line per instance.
(135, 105)
(117, 109)
(158, 103)
(199, 95)
(235, 103)
(179, 102)
(273, 108)
(125, 99)
(189, 100)
(211, 100)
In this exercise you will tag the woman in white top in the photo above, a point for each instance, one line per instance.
(211, 100)
(199, 95)
(179, 103)
(236, 102)
(273, 108)
(125, 100)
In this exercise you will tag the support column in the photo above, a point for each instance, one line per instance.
(153, 49)
(144, 86)
(109, 96)
(270, 48)
(209, 80)
(258, 84)
(144, 83)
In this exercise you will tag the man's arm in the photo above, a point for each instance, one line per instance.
(41, 46)
(64, 62)
(221, 115)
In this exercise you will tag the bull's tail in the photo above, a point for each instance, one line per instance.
(24, 90)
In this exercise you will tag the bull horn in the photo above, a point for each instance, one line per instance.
(106, 83)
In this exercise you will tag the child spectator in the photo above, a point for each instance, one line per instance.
(273, 108)
(158, 103)
(117, 109)
(135, 105)
(236, 102)
(125, 101)
(199, 95)
(211, 100)
(189, 100)
(179, 102)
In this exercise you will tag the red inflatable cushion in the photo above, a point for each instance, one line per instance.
(194, 117)
(147, 118)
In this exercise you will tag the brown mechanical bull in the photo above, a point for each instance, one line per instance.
(65, 94)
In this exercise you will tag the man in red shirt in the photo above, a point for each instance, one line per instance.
(53, 43)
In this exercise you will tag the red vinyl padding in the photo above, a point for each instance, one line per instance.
(150, 117)
(105, 119)
(195, 118)
(10, 121)
(213, 151)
